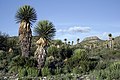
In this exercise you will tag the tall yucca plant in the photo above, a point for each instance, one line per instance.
(46, 31)
(26, 15)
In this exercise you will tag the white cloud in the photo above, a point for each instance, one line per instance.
(76, 29)
(105, 34)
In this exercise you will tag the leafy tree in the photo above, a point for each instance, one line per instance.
(25, 15)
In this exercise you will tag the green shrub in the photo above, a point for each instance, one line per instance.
(45, 71)
(3, 41)
(13, 70)
(32, 72)
(65, 52)
(66, 69)
(80, 54)
(58, 70)
(52, 51)
(22, 72)
(103, 65)
(109, 73)
(77, 70)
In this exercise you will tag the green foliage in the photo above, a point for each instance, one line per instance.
(12, 42)
(58, 70)
(108, 54)
(77, 70)
(66, 69)
(109, 73)
(57, 42)
(53, 51)
(13, 70)
(22, 72)
(45, 71)
(80, 54)
(23, 61)
(103, 65)
(26, 13)
(65, 62)
(45, 29)
(65, 52)
(3, 41)
(32, 72)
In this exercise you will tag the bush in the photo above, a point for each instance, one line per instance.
(32, 72)
(110, 73)
(103, 65)
(45, 71)
(3, 41)
(77, 70)
(65, 52)
(22, 72)
(58, 70)
(52, 51)
(66, 69)
(80, 54)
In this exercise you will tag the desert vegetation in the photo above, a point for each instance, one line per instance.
(28, 57)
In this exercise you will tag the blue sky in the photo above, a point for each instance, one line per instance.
(72, 18)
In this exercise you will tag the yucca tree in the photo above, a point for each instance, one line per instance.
(78, 41)
(46, 31)
(110, 40)
(65, 41)
(68, 42)
(26, 15)
(72, 42)
(110, 36)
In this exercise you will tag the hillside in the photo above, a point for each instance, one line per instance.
(90, 58)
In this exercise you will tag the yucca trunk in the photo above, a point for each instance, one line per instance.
(110, 42)
(25, 35)
(40, 53)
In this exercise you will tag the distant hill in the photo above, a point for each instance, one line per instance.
(91, 39)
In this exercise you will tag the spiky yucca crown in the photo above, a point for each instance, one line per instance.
(45, 30)
(26, 13)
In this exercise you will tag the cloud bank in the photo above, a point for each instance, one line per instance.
(76, 29)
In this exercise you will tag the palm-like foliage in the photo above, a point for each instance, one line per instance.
(110, 35)
(26, 13)
(45, 30)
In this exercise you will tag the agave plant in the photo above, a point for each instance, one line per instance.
(26, 15)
